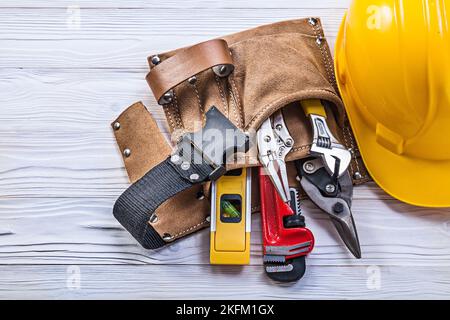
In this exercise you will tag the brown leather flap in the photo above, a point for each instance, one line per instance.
(141, 143)
(188, 62)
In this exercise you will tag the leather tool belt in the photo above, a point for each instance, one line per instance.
(246, 77)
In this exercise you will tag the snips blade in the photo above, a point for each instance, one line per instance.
(333, 197)
(345, 226)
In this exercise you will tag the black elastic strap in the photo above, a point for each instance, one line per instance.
(135, 206)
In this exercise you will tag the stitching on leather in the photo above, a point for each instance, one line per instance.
(241, 109)
(324, 53)
(169, 116)
(233, 101)
(354, 148)
(358, 168)
(190, 229)
(200, 106)
(306, 146)
(347, 144)
(328, 65)
(256, 37)
(364, 175)
(177, 111)
(222, 95)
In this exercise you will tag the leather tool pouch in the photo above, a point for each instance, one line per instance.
(248, 76)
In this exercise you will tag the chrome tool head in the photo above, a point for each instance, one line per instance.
(274, 143)
(334, 155)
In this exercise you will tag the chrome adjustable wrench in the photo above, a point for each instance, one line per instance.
(334, 155)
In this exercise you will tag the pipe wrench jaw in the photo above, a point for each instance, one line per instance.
(290, 271)
(214, 144)
(287, 264)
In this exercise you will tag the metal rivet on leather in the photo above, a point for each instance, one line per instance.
(167, 237)
(192, 80)
(156, 60)
(222, 70)
(127, 152)
(312, 21)
(357, 175)
(319, 40)
(208, 218)
(153, 218)
(116, 126)
(167, 97)
(194, 177)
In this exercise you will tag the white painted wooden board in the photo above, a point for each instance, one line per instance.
(60, 171)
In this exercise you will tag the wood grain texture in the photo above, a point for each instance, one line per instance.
(60, 171)
(117, 39)
(195, 282)
(83, 231)
(185, 4)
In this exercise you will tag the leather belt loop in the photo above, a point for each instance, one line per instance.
(167, 74)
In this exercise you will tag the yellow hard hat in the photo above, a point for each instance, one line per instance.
(392, 64)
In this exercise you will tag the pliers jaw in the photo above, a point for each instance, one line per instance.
(274, 143)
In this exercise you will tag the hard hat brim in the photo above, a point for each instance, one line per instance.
(419, 182)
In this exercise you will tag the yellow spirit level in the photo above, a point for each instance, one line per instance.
(231, 218)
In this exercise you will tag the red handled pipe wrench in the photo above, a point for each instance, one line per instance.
(286, 241)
